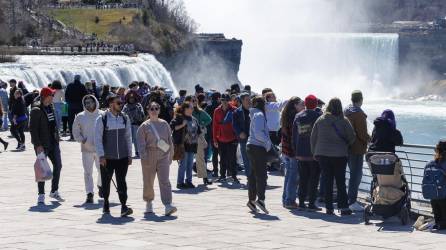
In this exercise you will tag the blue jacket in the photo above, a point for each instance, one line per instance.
(240, 122)
(258, 130)
(302, 127)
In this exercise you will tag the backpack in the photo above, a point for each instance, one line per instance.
(434, 182)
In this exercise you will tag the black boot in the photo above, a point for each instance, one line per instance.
(126, 211)
(89, 198)
(206, 181)
(106, 208)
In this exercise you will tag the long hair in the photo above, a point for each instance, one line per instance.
(440, 151)
(179, 111)
(289, 112)
(335, 107)
(259, 102)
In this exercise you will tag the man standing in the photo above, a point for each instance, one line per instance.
(225, 139)
(5, 103)
(45, 138)
(73, 96)
(210, 109)
(113, 141)
(83, 132)
(358, 119)
(241, 122)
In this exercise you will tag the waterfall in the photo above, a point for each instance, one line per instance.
(39, 71)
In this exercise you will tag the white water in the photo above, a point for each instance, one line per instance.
(39, 71)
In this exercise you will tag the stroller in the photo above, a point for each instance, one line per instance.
(389, 190)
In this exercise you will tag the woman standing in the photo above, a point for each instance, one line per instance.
(385, 136)
(5, 144)
(156, 151)
(58, 100)
(258, 146)
(134, 110)
(186, 131)
(294, 106)
(331, 136)
(19, 119)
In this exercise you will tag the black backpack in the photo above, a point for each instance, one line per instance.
(434, 182)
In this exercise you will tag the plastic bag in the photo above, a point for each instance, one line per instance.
(42, 169)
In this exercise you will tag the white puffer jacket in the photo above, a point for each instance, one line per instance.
(84, 127)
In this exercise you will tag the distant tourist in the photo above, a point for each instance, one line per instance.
(113, 141)
(2, 113)
(45, 138)
(156, 150)
(84, 133)
(241, 124)
(330, 139)
(386, 136)
(210, 109)
(4, 98)
(59, 100)
(358, 119)
(74, 94)
(134, 110)
(19, 119)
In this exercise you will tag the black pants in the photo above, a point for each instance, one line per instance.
(72, 112)
(56, 160)
(258, 175)
(309, 173)
(439, 210)
(18, 131)
(64, 123)
(334, 168)
(215, 159)
(228, 156)
(275, 137)
(119, 167)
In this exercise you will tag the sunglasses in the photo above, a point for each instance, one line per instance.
(119, 103)
(154, 109)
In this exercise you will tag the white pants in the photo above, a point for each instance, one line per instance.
(88, 159)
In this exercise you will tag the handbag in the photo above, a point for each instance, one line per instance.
(42, 169)
(160, 143)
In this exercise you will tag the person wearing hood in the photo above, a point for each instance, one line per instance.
(331, 137)
(74, 94)
(134, 110)
(83, 132)
(385, 136)
(358, 119)
(45, 138)
(257, 148)
(19, 119)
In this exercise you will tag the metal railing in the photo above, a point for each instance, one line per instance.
(414, 159)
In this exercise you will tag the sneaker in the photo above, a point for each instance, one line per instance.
(41, 199)
(56, 195)
(357, 207)
(302, 207)
(5, 145)
(329, 212)
(18, 146)
(22, 147)
(206, 181)
(420, 221)
(126, 211)
(291, 206)
(100, 192)
(346, 212)
(252, 206)
(170, 210)
(314, 208)
(89, 198)
(235, 180)
(149, 208)
(261, 205)
(221, 179)
(181, 186)
(190, 185)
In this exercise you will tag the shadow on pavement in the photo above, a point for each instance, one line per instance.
(111, 220)
(155, 218)
(393, 227)
(197, 190)
(266, 217)
(95, 206)
(44, 208)
(351, 219)
(232, 185)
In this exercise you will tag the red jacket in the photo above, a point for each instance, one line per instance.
(222, 132)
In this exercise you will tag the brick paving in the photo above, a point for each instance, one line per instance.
(207, 218)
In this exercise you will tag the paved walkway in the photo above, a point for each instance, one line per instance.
(213, 218)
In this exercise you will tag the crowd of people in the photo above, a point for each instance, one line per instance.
(236, 131)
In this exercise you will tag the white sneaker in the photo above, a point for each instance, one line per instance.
(56, 195)
(41, 199)
(170, 210)
(357, 207)
(149, 207)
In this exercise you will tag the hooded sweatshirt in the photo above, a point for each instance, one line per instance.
(302, 128)
(83, 126)
(385, 137)
(258, 130)
(358, 119)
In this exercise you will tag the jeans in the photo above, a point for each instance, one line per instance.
(258, 175)
(185, 167)
(334, 168)
(54, 156)
(119, 167)
(355, 164)
(5, 120)
(228, 153)
(134, 130)
(58, 113)
(18, 131)
(291, 180)
(309, 172)
(245, 158)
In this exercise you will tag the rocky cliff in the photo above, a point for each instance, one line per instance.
(211, 60)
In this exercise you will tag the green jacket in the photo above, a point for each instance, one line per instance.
(203, 118)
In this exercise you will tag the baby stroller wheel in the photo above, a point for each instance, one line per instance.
(367, 214)
(404, 216)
